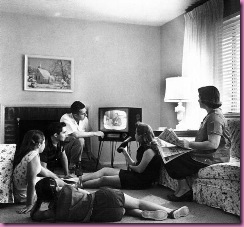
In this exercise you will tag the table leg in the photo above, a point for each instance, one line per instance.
(99, 152)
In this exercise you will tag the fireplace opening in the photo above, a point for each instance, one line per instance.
(26, 125)
(18, 120)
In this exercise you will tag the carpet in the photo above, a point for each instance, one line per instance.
(199, 214)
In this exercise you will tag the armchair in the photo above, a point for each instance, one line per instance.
(217, 185)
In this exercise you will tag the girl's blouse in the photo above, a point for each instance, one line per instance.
(20, 171)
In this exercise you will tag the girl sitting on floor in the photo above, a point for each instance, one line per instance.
(26, 167)
(141, 174)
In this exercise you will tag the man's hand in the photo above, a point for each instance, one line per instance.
(99, 133)
(67, 176)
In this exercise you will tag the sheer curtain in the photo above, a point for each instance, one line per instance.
(201, 50)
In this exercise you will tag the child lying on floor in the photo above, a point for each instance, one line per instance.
(71, 204)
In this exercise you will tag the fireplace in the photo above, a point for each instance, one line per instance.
(18, 120)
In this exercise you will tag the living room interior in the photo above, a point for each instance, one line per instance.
(116, 64)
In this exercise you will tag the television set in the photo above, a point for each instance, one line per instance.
(118, 123)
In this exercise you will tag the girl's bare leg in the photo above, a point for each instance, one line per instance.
(112, 181)
(133, 203)
(146, 209)
(106, 171)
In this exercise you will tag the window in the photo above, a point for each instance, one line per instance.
(230, 81)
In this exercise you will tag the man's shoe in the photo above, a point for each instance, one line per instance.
(72, 168)
(79, 183)
(157, 215)
(78, 170)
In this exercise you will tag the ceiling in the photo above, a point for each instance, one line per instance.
(142, 12)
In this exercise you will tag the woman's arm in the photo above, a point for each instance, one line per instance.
(128, 158)
(47, 173)
(210, 144)
(146, 158)
(81, 134)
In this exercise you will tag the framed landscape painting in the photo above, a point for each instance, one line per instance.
(47, 73)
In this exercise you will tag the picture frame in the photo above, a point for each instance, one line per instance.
(48, 73)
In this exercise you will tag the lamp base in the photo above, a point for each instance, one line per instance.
(180, 109)
(180, 127)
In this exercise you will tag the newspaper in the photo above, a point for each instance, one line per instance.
(169, 136)
(169, 146)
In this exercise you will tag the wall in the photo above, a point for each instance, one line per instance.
(115, 64)
(172, 37)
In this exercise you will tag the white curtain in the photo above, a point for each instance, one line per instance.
(201, 61)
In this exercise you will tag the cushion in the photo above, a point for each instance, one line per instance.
(223, 194)
(234, 129)
(225, 171)
(7, 152)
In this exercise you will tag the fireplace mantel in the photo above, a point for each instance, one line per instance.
(10, 116)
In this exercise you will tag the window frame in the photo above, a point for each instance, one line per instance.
(220, 78)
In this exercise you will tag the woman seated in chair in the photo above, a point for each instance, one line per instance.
(211, 145)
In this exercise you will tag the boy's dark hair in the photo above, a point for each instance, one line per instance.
(55, 127)
(46, 189)
(76, 107)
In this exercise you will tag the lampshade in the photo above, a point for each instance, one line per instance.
(178, 89)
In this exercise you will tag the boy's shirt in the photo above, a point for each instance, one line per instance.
(51, 154)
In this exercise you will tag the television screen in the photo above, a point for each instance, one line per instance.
(114, 120)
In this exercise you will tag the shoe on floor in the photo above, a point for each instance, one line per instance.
(181, 212)
(79, 183)
(157, 215)
(78, 169)
(187, 197)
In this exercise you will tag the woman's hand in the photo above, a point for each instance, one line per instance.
(25, 210)
(128, 158)
(184, 143)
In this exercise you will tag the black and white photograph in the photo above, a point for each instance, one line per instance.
(120, 112)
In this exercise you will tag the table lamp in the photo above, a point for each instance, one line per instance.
(178, 89)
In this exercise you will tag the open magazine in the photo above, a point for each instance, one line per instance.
(169, 146)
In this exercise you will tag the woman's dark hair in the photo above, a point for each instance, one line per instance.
(46, 189)
(76, 107)
(210, 96)
(30, 142)
(147, 137)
